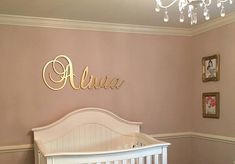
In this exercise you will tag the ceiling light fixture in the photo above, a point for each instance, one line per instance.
(190, 6)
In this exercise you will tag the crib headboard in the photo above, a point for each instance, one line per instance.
(86, 120)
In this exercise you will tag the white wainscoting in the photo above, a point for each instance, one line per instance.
(204, 136)
(177, 135)
(16, 148)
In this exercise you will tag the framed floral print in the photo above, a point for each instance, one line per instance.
(211, 104)
(211, 68)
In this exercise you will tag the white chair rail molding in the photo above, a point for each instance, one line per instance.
(162, 136)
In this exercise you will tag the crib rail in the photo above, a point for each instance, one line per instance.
(96, 136)
(150, 155)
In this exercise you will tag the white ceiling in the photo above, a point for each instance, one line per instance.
(138, 12)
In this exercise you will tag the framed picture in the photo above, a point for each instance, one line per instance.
(210, 104)
(211, 68)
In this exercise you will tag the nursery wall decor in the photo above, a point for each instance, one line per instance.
(58, 71)
(211, 104)
(211, 68)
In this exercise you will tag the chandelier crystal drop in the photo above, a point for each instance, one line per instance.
(166, 17)
(190, 7)
(181, 16)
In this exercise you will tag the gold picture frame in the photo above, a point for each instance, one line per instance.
(211, 68)
(211, 104)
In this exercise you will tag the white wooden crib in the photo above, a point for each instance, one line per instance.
(94, 135)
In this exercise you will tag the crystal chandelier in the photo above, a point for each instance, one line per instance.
(190, 7)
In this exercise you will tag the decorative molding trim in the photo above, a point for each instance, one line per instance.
(115, 27)
(92, 26)
(204, 136)
(16, 148)
(172, 135)
(213, 137)
(213, 24)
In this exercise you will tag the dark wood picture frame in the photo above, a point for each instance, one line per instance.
(211, 68)
(211, 105)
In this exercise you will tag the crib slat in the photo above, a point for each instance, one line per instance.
(164, 155)
(156, 159)
(124, 161)
(132, 161)
(115, 162)
(107, 162)
(140, 160)
(148, 159)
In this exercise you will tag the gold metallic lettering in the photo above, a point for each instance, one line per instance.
(60, 72)
(83, 79)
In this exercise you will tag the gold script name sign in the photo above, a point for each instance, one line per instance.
(57, 72)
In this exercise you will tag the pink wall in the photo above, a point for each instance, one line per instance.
(217, 41)
(157, 88)
(24, 157)
(211, 152)
(162, 84)
(180, 150)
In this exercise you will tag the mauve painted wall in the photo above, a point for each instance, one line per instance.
(157, 88)
(163, 84)
(212, 152)
(180, 150)
(25, 157)
(222, 41)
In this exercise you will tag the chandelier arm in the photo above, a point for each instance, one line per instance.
(208, 3)
(223, 1)
(191, 5)
(166, 6)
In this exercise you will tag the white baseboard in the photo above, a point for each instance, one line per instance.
(162, 136)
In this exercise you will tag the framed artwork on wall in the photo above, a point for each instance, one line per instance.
(211, 105)
(211, 68)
